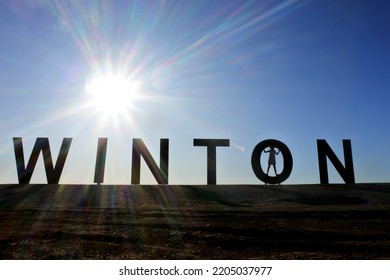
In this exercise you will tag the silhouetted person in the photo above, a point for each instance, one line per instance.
(272, 158)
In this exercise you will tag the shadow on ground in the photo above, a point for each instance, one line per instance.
(195, 222)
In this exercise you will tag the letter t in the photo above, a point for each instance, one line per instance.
(212, 145)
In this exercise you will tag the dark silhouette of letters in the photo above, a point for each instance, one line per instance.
(212, 145)
(159, 173)
(100, 160)
(324, 151)
(271, 146)
(287, 161)
(41, 144)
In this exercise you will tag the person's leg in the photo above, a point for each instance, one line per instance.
(276, 174)
(269, 165)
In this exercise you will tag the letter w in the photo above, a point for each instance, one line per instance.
(53, 174)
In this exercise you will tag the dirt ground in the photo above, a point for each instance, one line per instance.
(195, 222)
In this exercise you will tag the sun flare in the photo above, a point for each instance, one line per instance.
(111, 93)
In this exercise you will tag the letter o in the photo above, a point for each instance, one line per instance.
(287, 161)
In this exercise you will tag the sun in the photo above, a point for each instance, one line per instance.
(111, 93)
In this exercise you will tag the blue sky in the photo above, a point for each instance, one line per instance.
(247, 71)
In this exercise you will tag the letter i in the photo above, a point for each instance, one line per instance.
(100, 160)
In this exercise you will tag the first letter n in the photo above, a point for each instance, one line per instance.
(140, 150)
